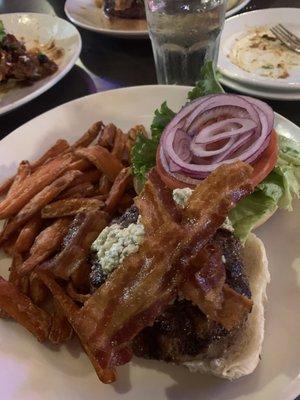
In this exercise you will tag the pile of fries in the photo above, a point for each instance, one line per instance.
(56, 207)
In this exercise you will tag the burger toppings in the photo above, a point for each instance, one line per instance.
(210, 131)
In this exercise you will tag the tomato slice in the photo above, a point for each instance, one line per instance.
(261, 168)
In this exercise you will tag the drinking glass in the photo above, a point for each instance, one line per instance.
(184, 34)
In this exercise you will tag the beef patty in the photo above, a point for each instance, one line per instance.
(183, 331)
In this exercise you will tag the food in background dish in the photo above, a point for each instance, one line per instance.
(259, 52)
(127, 9)
(21, 65)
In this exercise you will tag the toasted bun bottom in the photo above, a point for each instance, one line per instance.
(242, 356)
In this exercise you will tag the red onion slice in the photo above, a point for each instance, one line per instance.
(214, 130)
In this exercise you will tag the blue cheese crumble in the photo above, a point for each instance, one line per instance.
(115, 243)
(182, 196)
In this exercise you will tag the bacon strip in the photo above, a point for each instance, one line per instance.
(21, 308)
(70, 310)
(82, 233)
(139, 290)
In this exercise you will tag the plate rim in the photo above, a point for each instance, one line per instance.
(129, 34)
(258, 81)
(256, 92)
(79, 100)
(54, 80)
(237, 8)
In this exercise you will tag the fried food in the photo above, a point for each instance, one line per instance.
(122, 182)
(89, 136)
(71, 207)
(38, 202)
(45, 244)
(76, 245)
(28, 234)
(60, 147)
(102, 159)
(20, 307)
(33, 184)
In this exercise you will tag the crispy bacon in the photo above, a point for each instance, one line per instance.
(139, 290)
(21, 308)
(83, 232)
(70, 311)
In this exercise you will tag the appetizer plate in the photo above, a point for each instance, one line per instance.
(236, 7)
(237, 28)
(40, 30)
(31, 371)
(261, 92)
(86, 14)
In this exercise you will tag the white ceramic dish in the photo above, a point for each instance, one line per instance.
(238, 25)
(31, 371)
(42, 29)
(262, 92)
(241, 4)
(86, 14)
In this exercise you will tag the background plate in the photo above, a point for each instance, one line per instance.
(237, 8)
(236, 26)
(86, 14)
(42, 28)
(31, 371)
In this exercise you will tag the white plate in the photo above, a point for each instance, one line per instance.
(43, 29)
(238, 25)
(241, 4)
(257, 91)
(31, 371)
(86, 14)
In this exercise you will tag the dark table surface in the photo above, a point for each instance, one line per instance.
(107, 63)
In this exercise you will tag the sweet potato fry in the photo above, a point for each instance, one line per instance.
(21, 308)
(24, 170)
(102, 159)
(104, 185)
(70, 310)
(107, 137)
(90, 176)
(89, 136)
(79, 165)
(28, 234)
(70, 207)
(37, 291)
(45, 244)
(121, 183)
(61, 331)
(21, 283)
(59, 147)
(119, 145)
(38, 202)
(80, 277)
(8, 246)
(33, 184)
(85, 189)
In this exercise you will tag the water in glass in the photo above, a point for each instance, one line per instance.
(184, 34)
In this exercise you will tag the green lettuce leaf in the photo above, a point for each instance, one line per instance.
(277, 190)
(2, 31)
(143, 153)
(207, 84)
